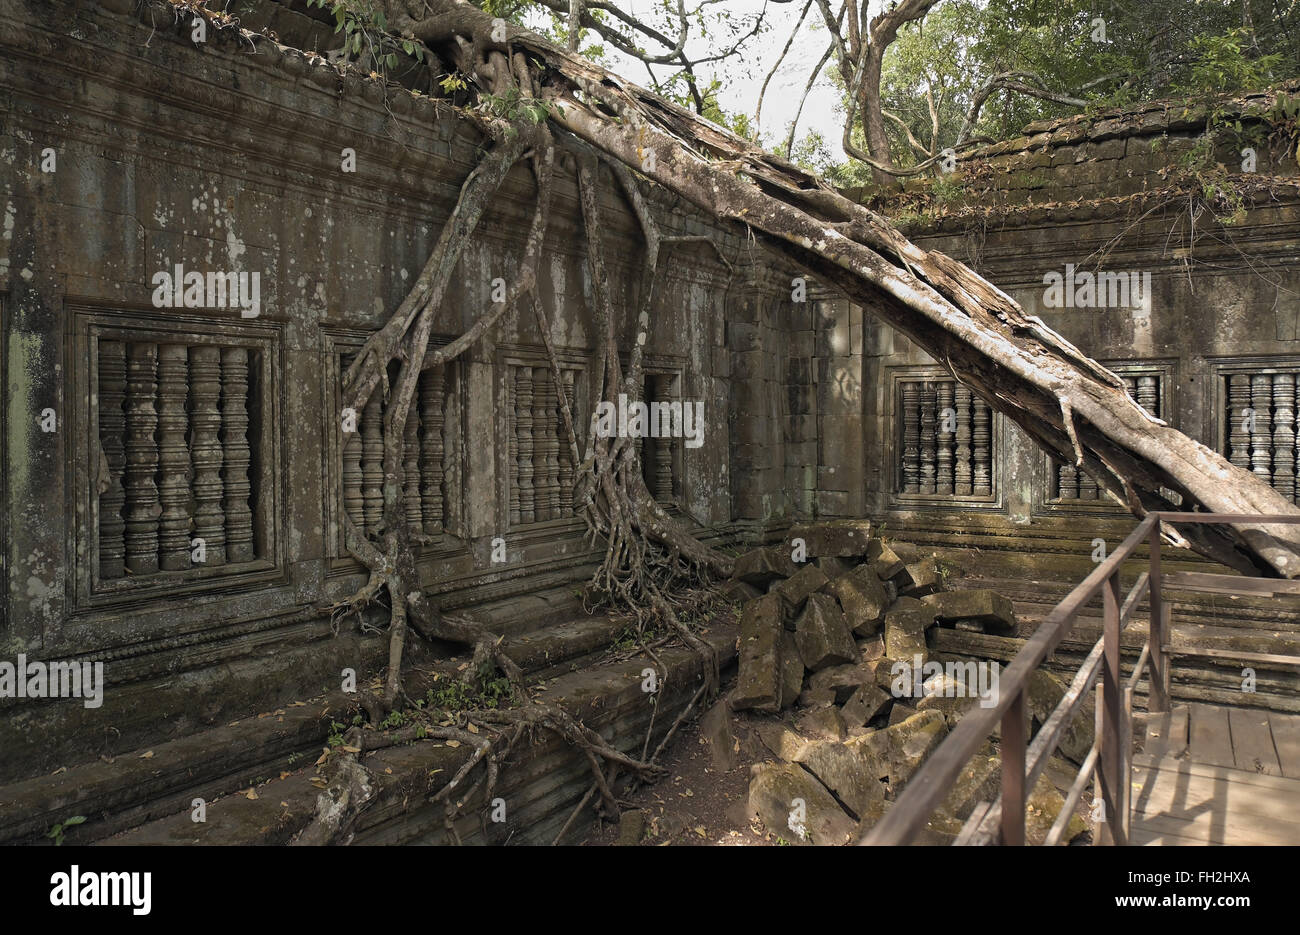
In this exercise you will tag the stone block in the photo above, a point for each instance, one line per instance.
(823, 636)
(758, 679)
(772, 794)
(993, 612)
(862, 598)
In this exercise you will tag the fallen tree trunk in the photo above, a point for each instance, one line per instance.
(1069, 404)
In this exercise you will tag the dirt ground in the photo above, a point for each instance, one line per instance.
(700, 802)
(703, 801)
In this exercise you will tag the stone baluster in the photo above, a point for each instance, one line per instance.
(665, 450)
(566, 453)
(234, 438)
(1261, 434)
(927, 438)
(546, 448)
(962, 487)
(1238, 421)
(142, 507)
(372, 463)
(411, 470)
(173, 458)
(1284, 434)
(981, 442)
(911, 437)
(206, 453)
(1087, 486)
(432, 393)
(1148, 394)
(524, 436)
(943, 482)
(112, 423)
(1067, 482)
(1296, 410)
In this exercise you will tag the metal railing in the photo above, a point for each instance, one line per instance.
(1023, 762)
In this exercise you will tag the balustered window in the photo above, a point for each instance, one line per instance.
(427, 454)
(1070, 485)
(542, 471)
(944, 442)
(661, 458)
(1258, 411)
(180, 456)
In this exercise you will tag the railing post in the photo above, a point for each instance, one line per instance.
(1113, 777)
(1158, 693)
(1014, 744)
(1126, 766)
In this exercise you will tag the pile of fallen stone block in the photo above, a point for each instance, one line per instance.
(833, 625)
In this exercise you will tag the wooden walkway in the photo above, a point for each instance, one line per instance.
(1218, 775)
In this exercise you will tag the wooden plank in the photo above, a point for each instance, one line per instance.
(1278, 784)
(1286, 741)
(1228, 584)
(1176, 742)
(1221, 828)
(1252, 742)
(1144, 838)
(1183, 795)
(1167, 734)
(1210, 736)
(1232, 655)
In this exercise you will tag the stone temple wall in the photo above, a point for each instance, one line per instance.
(1213, 338)
(129, 150)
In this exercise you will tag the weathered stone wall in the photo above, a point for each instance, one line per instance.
(1222, 301)
(228, 156)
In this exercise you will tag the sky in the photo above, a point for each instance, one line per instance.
(743, 76)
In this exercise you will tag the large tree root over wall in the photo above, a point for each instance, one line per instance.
(652, 565)
(1070, 404)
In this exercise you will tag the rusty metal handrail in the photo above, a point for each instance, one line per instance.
(931, 784)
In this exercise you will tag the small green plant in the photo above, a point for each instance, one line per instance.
(335, 736)
(57, 831)
(365, 33)
(513, 106)
(394, 720)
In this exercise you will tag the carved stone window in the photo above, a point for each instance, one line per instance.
(661, 458)
(1071, 490)
(1069, 484)
(944, 442)
(1258, 406)
(180, 454)
(541, 469)
(429, 479)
